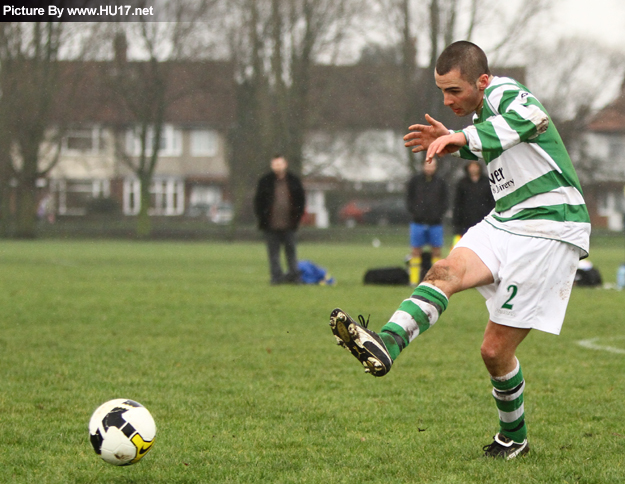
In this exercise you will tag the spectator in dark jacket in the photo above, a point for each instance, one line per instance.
(473, 201)
(279, 206)
(427, 203)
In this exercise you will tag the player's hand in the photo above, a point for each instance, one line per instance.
(422, 135)
(445, 145)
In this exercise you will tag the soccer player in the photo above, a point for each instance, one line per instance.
(522, 257)
(426, 200)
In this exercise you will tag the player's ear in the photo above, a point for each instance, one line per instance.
(482, 82)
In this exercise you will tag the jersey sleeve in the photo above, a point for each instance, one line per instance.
(465, 153)
(518, 117)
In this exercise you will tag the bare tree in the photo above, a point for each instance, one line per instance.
(146, 87)
(274, 54)
(29, 75)
(356, 155)
(424, 29)
(34, 93)
(574, 79)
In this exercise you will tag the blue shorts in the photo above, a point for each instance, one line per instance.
(421, 235)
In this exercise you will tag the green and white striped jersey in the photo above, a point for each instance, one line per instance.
(532, 178)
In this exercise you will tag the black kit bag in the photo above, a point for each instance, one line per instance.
(588, 277)
(389, 276)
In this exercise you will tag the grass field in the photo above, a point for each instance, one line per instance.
(246, 385)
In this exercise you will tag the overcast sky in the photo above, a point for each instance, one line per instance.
(603, 20)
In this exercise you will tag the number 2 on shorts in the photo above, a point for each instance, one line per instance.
(514, 290)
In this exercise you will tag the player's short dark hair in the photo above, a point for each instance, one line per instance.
(465, 56)
(278, 155)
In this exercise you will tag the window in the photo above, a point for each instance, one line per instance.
(170, 144)
(205, 195)
(74, 195)
(203, 142)
(610, 202)
(616, 148)
(166, 197)
(84, 140)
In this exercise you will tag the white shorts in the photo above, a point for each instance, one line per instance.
(533, 276)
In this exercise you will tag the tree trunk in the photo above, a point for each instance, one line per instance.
(409, 73)
(26, 220)
(6, 217)
(433, 96)
(144, 222)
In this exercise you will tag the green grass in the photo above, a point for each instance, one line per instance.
(246, 385)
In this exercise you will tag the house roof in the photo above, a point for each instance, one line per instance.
(197, 92)
(360, 96)
(610, 119)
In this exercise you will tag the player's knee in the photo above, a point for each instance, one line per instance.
(491, 354)
(439, 272)
(447, 274)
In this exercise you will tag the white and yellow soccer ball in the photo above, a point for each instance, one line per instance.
(122, 431)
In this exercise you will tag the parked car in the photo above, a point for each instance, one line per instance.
(217, 213)
(198, 210)
(387, 212)
(221, 213)
(353, 212)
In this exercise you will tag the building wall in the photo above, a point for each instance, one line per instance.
(604, 154)
(194, 159)
(98, 162)
(601, 165)
(184, 159)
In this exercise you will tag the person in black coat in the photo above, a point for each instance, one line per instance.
(427, 202)
(279, 205)
(473, 200)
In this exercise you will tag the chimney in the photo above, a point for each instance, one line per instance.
(120, 47)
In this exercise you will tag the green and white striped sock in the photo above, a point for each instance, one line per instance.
(508, 393)
(414, 316)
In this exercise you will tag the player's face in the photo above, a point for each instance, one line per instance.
(460, 95)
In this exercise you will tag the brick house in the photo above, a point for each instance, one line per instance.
(192, 169)
(356, 122)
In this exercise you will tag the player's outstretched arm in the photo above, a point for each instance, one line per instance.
(421, 136)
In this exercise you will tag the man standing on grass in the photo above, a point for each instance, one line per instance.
(522, 257)
(279, 205)
(426, 200)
